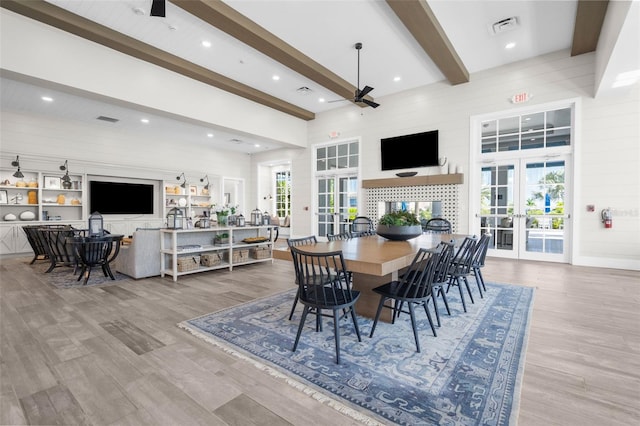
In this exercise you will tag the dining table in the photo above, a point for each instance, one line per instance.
(373, 261)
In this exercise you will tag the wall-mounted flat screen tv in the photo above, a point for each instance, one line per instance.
(120, 197)
(410, 151)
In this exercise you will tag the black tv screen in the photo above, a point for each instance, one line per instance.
(120, 198)
(409, 151)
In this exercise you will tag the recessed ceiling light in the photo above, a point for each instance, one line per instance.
(276, 77)
(144, 120)
(47, 98)
(626, 78)
(321, 100)
(397, 78)
(257, 145)
(510, 45)
(209, 135)
(206, 43)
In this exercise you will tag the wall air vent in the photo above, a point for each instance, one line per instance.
(108, 119)
(504, 25)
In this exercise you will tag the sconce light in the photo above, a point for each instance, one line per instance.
(183, 184)
(66, 180)
(16, 163)
(206, 177)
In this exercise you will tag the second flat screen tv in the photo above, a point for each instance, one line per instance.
(410, 151)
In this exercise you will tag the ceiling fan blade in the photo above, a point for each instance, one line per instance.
(370, 103)
(364, 92)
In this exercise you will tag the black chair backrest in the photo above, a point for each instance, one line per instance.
(94, 251)
(56, 243)
(416, 282)
(322, 278)
(438, 224)
(361, 224)
(461, 262)
(481, 250)
(339, 237)
(292, 242)
(35, 241)
(441, 273)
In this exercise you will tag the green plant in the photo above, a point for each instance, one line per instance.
(399, 218)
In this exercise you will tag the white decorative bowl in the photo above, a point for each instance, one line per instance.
(27, 215)
(9, 217)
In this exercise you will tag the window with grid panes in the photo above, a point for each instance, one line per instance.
(338, 156)
(546, 129)
(283, 193)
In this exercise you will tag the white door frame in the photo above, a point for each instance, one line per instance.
(477, 160)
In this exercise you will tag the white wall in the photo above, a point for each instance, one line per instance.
(607, 168)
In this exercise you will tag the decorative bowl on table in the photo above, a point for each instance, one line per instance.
(399, 233)
(399, 226)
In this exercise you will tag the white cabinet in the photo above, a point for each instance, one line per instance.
(187, 251)
(13, 239)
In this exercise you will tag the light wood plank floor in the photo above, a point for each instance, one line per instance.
(114, 356)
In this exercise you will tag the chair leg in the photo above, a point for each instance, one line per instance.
(479, 276)
(459, 285)
(444, 299)
(86, 277)
(295, 302)
(426, 310)
(466, 283)
(413, 325)
(355, 323)
(436, 310)
(300, 326)
(336, 332)
(375, 320)
(478, 282)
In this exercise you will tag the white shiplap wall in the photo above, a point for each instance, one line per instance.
(607, 167)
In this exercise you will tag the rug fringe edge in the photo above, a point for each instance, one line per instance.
(315, 394)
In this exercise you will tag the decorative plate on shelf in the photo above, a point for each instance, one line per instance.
(406, 174)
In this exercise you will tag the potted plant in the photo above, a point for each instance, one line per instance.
(399, 226)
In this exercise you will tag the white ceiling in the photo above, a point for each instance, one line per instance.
(324, 30)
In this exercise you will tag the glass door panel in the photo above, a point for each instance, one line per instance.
(522, 206)
(337, 204)
(544, 209)
(497, 206)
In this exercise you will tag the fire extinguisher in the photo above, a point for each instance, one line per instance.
(607, 218)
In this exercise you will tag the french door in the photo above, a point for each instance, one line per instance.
(523, 205)
(337, 203)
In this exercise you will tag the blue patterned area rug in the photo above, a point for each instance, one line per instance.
(469, 375)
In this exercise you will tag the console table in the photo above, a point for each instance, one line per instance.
(224, 245)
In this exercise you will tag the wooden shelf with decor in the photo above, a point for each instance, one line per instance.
(454, 178)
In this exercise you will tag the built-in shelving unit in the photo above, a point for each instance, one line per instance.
(454, 178)
(188, 251)
(194, 200)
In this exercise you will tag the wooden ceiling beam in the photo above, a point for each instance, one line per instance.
(586, 31)
(419, 19)
(227, 19)
(57, 17)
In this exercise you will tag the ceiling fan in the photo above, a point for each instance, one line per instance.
(360, 94)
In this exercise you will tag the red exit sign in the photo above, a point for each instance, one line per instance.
(520, 97)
